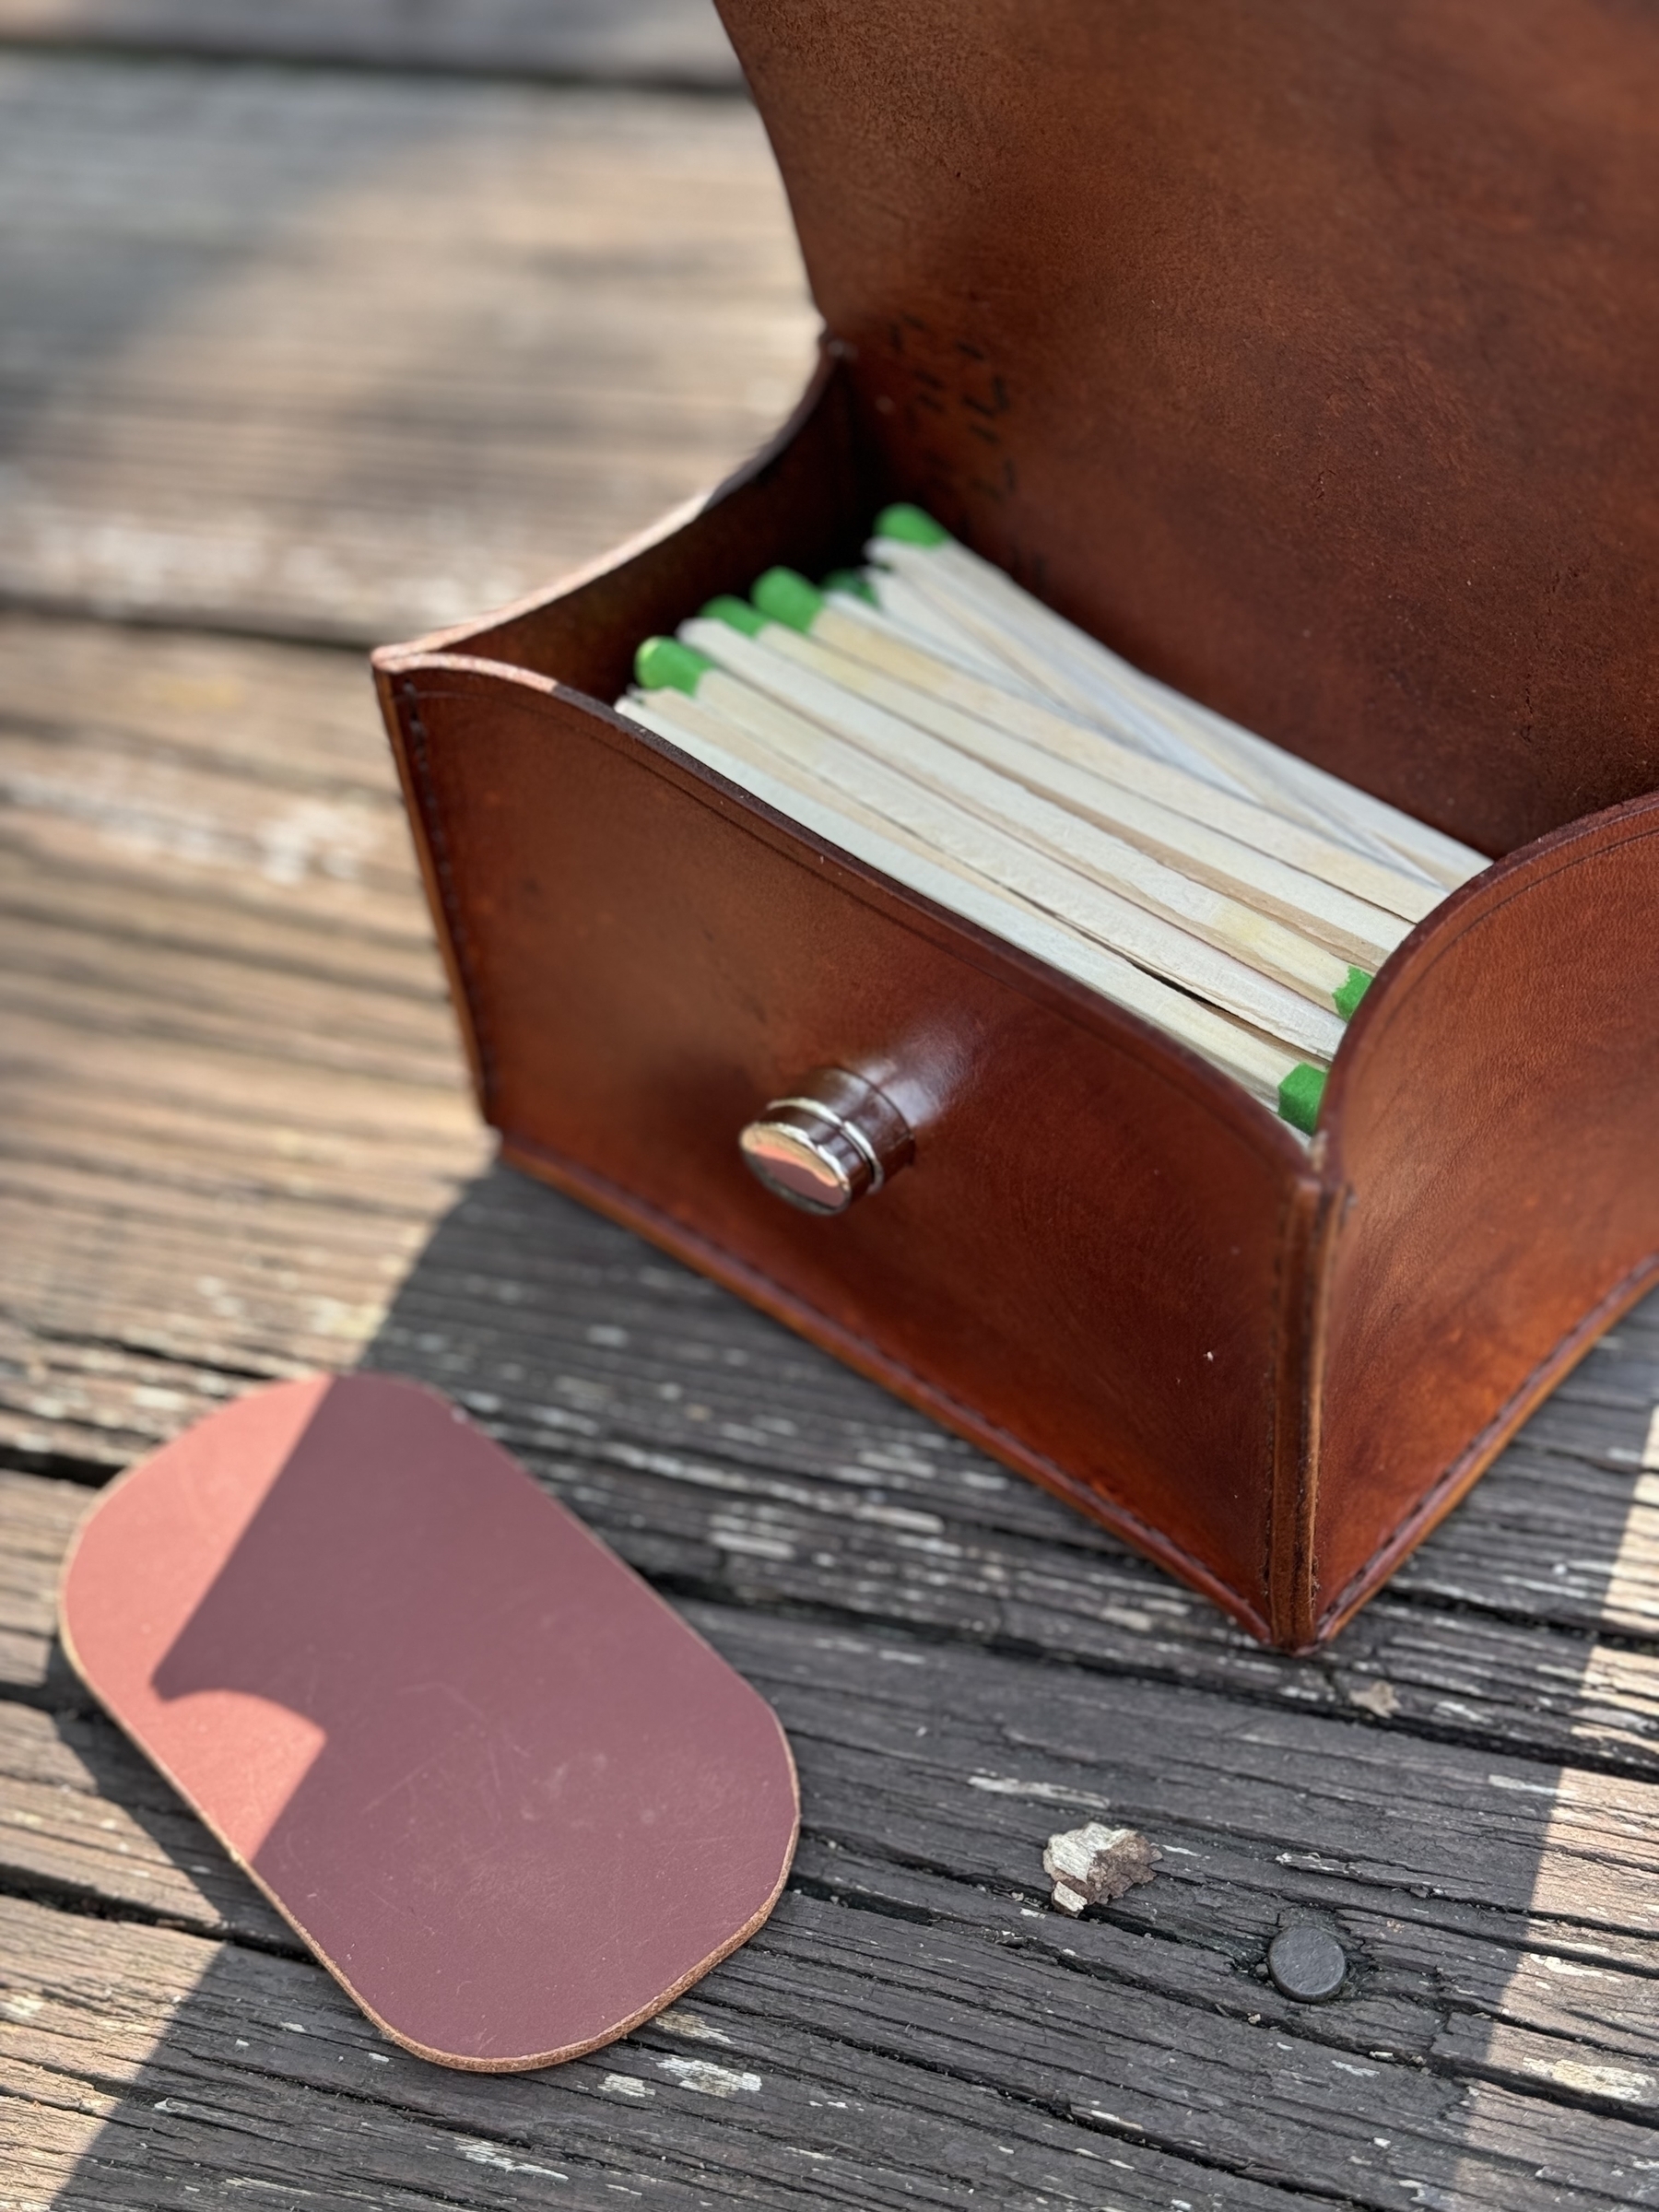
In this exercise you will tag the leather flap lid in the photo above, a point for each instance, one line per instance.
(1304, 353)
(508, 1797)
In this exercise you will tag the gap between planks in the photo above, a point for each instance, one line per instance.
(717, 1452)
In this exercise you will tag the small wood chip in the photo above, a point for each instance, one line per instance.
(1091, 1864)
(1380, 1697)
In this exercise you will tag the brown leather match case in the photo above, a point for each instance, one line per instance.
(1305, 355)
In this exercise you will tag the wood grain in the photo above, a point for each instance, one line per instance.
(324, 355)
(234, 1117)
(234, 1143)
(349, 356)
(653, 41)
(916, 1935)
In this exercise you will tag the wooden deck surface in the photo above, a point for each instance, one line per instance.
(294, 357)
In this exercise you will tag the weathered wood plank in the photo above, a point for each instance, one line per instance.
(649, 41)
(349, 356)
(901, 1746)
(231, 1075)
(671, 2116)
(37, 1519)
(718, 1453)
(810, 2121)
(1499, 1926)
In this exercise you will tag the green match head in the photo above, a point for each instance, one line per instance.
(788, 598)
(1346, 999)
(664, 664)
(911, 525)
(737, 614)
(1299, 1096)
(854, 583)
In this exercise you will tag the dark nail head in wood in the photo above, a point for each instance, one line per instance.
(1307, 1964)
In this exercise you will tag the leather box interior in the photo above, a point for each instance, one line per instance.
(1304, 356)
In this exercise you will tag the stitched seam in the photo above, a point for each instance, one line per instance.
(1276, 1394)
(444, 874)
(1450, 1476)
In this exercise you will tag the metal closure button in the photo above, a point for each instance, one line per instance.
(833, 1139)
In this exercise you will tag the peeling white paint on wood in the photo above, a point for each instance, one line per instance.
(691, 2025)
(628, 2085)
(1044, 1792)
(708, 2079)
(478, 2153)
(1620, 2083)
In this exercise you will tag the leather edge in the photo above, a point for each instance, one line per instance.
(400, 706)
(1309, 1224)
(1454, 1483)
(1414, 960)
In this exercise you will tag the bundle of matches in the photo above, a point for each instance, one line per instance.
(929, 716)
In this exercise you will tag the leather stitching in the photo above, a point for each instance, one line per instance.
(443, 871)
(1488, 1440)
(1271, 1534)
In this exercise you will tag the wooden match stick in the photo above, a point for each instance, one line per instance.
(1391, 882)
(891, 607)
(1048, 647)
(1291, 1087)
(1165, 728)
(1147, 937)
(1283, 954)
(1037, 646)
(1043, 650)
(1107, 784)
(1363, 934)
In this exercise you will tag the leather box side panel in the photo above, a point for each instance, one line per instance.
(1081, 1269)
(1493, 1120)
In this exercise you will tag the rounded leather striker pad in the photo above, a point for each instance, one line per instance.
(509, 1798)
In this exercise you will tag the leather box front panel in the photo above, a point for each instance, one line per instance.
(1082, 1267)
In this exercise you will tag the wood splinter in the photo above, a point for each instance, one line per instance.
(1090, 1866)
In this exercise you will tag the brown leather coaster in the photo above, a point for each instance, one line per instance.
(509, 1798)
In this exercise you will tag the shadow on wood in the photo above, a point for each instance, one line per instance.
(963, 1666)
